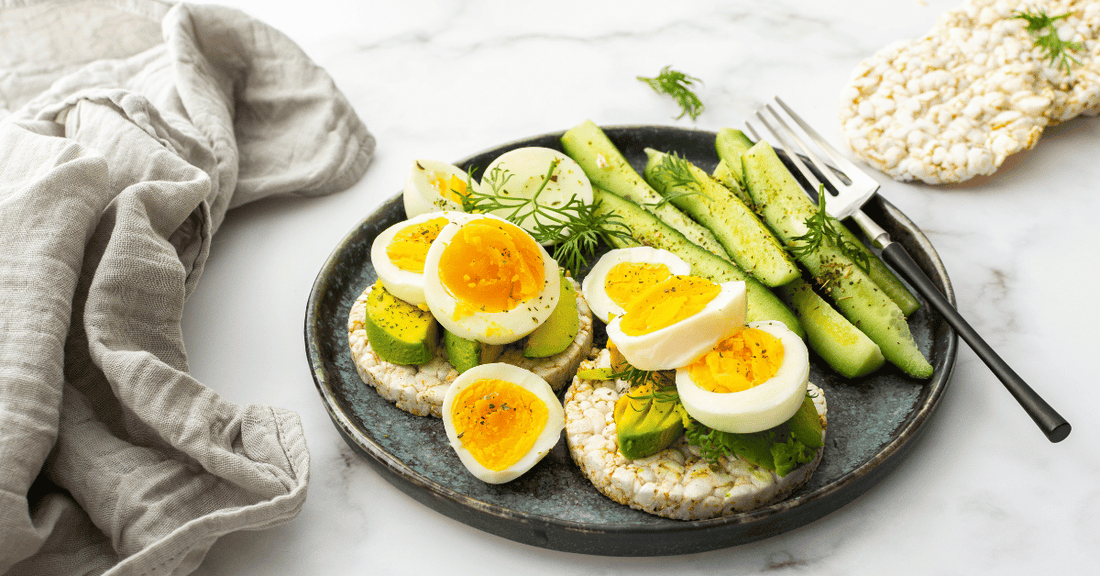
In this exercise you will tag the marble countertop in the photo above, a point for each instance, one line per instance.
(981, 491)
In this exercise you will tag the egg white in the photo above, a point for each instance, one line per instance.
(603, 307)
(678, 344)
(528, 167)
(404, 284)
(547, 439)
(761, 407)
(421, 196)
(489, 327)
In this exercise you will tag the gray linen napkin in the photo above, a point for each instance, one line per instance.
(127, 129)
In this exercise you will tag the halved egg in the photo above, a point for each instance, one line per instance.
(525, 172)
(676, 320)
(434, 186)
(621, 274)
(751, 381)
(488, 280)
(501, 420)
(398, 253)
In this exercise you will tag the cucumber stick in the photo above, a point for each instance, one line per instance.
(785, 208)
(748, 241)
(648, 230)
(730, 144)
(607, 168)
(724, 175)
(847, 350)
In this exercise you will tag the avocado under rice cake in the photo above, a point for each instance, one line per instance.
(676, 482)
(420, 389)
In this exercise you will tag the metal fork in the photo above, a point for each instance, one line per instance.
(850, 190)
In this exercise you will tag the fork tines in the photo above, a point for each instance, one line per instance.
(841, 177)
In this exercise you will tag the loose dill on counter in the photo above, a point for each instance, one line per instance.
(678, 85)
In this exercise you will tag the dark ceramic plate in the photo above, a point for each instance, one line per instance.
(872, 422)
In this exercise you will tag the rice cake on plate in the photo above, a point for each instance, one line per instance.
(677, 482)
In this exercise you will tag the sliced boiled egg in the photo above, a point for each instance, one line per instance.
(525, 172)
(399, 252)
(751, 381)
(434, 186)
(621, 274)
(676, 320)
(487, 279)
(501, 420)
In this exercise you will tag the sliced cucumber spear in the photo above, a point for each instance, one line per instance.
(748, 241)
(840, 344)
(730, 144)
(785, 208)
(607, 168)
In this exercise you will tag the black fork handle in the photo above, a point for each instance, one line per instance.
(1049, 421)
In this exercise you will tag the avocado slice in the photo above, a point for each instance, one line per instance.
(398, 331)
(647, 421)
(465, 353)
(559, 330)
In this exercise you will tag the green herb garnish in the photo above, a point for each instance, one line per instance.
(675, 170)
(1042, 29)
(822, 228)
(678, 85)
(574, 228)
(782, 449)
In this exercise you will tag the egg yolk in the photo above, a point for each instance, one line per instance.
(748, 358)
(625, 280)
(666, 303)
(410, 246)
(449, 186)
(491, 266)
(497, 421)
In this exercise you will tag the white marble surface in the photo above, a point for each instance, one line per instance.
(982, 492)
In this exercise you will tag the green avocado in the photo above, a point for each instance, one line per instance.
(465, 353)
(398, 331)
(647, 422)
(559, 330)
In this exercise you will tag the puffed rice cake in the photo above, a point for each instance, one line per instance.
(677, 482)
(955, 103)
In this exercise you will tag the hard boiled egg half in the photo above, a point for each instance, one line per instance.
(488, 280)
(399, 252)
(621, 274)
(751, 381)
(434, 186)
(545, 174)
(676, 320)
(501, 420)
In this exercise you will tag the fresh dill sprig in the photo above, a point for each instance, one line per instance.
(675, 170)
(575, 228)
(821, 229)
(678, 85)
(1043, 31)
(663, 387)
(633, 376)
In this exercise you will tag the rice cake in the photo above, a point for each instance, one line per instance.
(676, 482)
(957, 102)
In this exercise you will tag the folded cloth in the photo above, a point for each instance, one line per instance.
(127, 129)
